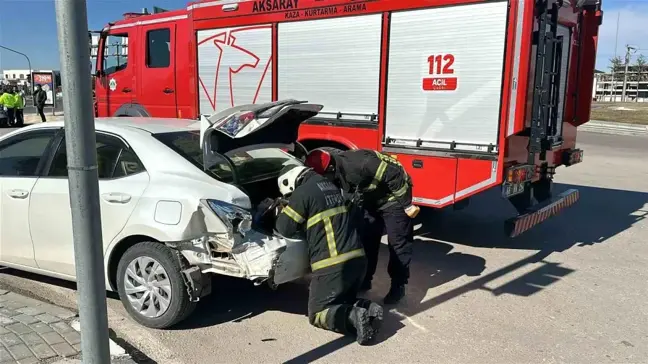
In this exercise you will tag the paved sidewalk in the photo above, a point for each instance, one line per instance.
(607, 127)
(32, 331)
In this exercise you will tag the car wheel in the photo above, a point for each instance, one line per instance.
(151, 287)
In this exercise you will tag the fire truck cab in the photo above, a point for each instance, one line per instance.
(467, 94)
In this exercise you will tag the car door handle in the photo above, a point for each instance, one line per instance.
(18, 193)
(126, 89)
(167, 91)
(116, 197)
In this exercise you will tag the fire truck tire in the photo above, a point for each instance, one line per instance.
(131, 110)
(331, 150)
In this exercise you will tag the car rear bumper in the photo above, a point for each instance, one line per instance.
(520, 224)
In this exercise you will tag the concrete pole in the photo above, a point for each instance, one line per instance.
(80, 142)
(625, 74)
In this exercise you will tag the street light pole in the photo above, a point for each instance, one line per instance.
(625, 72)
(80, 142)
(24, 55)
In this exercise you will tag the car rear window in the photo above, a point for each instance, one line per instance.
(250, 165)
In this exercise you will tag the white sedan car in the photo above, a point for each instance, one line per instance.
(178, 202)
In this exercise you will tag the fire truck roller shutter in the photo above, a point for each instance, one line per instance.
(446, 67)
(334, 62)
(234, 67)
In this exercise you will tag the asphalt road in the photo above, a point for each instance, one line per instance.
(571, 290)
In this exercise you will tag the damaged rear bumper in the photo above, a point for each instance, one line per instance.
(256, 256)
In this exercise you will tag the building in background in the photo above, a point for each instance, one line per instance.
(608, 87)
(22, 78)
(15, 77)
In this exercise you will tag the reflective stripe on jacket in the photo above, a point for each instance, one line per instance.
(317, 206)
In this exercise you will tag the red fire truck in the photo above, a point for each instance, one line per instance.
(466, 94)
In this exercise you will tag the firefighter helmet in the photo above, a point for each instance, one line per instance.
(290, 177)
(319, 160)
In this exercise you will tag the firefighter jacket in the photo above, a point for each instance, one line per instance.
(381, 179)
(317, 206)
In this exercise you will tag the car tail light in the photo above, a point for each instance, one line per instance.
(515, 179)
(234, 123)
(572, 156)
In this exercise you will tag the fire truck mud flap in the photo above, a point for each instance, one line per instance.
(541, 212)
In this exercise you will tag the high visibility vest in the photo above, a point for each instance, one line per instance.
(8, 100)
(19, 101)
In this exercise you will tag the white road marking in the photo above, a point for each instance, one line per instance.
(409, 320)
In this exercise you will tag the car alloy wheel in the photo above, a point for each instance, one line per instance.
(147, 287)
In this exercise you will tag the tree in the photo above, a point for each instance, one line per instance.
(616, 64)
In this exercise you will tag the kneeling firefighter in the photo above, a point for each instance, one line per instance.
(338, 261)
(385, 190)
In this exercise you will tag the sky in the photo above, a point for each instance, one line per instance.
(29, 26)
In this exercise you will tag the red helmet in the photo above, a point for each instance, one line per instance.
(319, 160)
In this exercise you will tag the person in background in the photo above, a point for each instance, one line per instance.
(40, 98)
(7, 100)
(20, 105)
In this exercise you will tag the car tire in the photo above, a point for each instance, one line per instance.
(165, 288)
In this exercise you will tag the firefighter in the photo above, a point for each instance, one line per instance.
(338, 263)
(385, 190)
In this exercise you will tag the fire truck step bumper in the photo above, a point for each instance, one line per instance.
(518, 225)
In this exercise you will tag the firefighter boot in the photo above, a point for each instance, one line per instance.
(375, 313)
(395, 294)
(360, 321)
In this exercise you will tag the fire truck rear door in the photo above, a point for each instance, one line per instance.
(157, 73)
(445, 75)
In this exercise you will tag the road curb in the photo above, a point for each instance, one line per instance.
(603, 127)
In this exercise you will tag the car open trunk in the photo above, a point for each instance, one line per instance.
(239, 135)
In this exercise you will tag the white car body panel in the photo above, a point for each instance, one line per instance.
(15, 242)
(54, 244)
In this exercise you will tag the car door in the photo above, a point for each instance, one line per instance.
(157, 75)
(116, 75)
(122, 181)
(22, 158)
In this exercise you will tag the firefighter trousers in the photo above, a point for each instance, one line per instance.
(332, 296)
(400, 234)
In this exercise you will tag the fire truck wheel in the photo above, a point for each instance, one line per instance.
(331, 150)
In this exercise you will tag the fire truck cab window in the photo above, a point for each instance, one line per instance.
(158, 48)
(115, 53)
